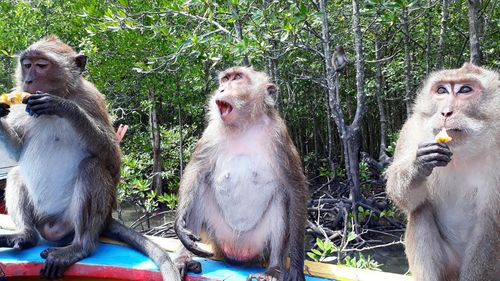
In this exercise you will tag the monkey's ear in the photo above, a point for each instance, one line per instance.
(272, 90)
(81, 61)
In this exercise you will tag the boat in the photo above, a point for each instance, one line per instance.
(115, 261)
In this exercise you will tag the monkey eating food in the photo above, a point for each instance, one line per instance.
(14, 98)
(244, 189)
(451, 190)
(64, 188)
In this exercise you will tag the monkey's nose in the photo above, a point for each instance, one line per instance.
(447, 113)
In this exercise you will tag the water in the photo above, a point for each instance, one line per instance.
(132, 216)
(392, 257)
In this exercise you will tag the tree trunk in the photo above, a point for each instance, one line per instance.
(239, 32)
(155, 143)
(428, 58)
(181, 144)
(475, 51)
(442, 34)
(382, 155)
(360, 104)
(329, 124)
(407, 61)
(272, 70)
(348, 134)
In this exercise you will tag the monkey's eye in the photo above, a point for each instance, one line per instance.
(238, 76)
(224, 79)
(41, 65)
(442, 90)
(465, 89)
(26, 65)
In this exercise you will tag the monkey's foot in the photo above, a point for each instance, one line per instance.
(18, 241)
(272, 274)
(185, 266)
(58, 259)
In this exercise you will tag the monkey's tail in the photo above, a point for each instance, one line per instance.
(120, 232)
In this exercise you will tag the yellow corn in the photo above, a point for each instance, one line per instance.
(442, 136)
(13, 98)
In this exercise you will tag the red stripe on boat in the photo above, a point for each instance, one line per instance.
(100, 271)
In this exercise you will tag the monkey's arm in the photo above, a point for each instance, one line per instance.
(9, 139)
(88, 122)
(189, 189)
(413, 163)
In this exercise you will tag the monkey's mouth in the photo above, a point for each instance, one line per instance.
(224, 107)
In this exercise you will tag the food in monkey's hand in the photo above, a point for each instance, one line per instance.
(14, 97)
(442, 136)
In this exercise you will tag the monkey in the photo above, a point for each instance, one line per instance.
(339, 59)
(64, 188)
(244, 190)
(451, 191)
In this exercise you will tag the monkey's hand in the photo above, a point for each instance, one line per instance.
(431, 155)
(189, 239)
(18, 241)
(4, 110)
(43, 103)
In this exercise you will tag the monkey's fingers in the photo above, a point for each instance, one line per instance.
(433, 157)
(193, 266)
(438, 163)
(434, 147)
(4, 109)
(195, 249)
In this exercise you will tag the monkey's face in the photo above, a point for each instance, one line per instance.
(38, 74)
(457, 101)
(235, 95)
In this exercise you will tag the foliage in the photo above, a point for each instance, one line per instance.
(325, 248)
(360, 261)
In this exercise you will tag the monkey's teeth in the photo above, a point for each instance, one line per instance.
(224, 107)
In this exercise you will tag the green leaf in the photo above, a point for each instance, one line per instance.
(351, 236)
(313, 256)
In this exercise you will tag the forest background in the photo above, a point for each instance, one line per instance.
(157, 61)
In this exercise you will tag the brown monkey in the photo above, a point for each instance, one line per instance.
(451, 191)
(64, 188)
(339, 59)
(244, 188)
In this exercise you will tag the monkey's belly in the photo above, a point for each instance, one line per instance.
(244, 187)
(49, 164)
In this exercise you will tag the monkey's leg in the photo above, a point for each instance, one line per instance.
(21, 211)
(90, 209)
(429, 256)
(482, 255)
(278, 245)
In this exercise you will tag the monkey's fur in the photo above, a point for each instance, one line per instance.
(244, 189)
(451, 192)
(64, 188)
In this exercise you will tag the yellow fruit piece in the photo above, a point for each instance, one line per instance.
(13, 98)
(4, 98)
(442, 136)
